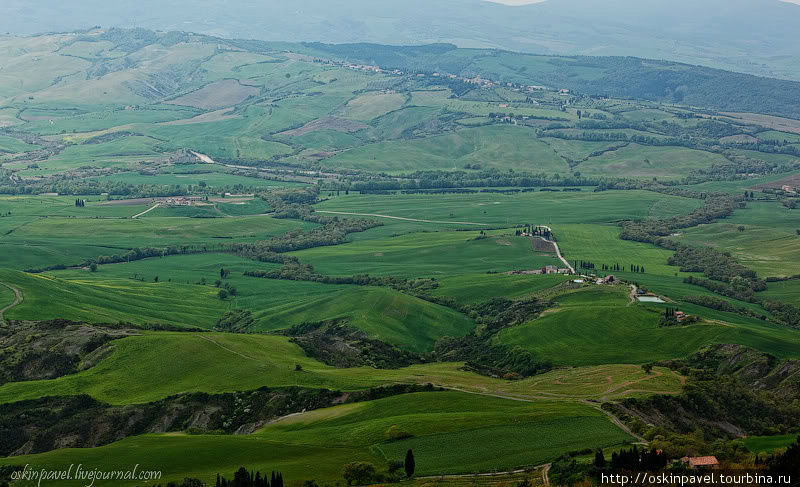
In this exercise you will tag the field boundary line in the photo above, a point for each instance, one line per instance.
(18, 298)
(378, 215)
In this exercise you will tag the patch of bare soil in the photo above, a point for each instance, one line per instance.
(129, 202)
(541, 245)
(768, 121)
(793, 181)
(329, 123)
(216, 95)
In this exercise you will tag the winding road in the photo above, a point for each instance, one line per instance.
(18, 298)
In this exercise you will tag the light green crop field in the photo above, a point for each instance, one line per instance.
(213, 179)
(600, 244)
(762, 444)
(594, 326)
(454, 432)
(127, 292)
(502, 147)
(540, 207)
(200, 456)
(787, 291)
(110, 118)
(780, 136)
(101, 300)
(474, 429)
(636, 160)
(43, 206)
(13, 145)
(116, 153)
(154, 231)
(429, 254)
(576, 150)
(32, 242)
(475, 288)
(372, 105)
(220, 362)
(768, 247)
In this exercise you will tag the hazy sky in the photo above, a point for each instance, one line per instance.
(527, 2)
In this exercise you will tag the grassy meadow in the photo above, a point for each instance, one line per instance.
(594, 325)
(317, 443)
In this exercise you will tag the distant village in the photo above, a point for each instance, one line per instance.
(476, 80)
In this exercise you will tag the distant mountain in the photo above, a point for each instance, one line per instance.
(752, 36)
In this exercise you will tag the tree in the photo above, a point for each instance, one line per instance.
(241, 478)
(222, 294)
(410, 464)
(599, 459)
(648, 368)
(93, 267)
(155, 279)
(358, 473)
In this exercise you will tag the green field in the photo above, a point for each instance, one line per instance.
(453, 432)
(763, 236)
(495, 146)
(788, 291)
(648, 162)
(429, 254)
(762, 444)
(218, 362)
(318, 443)
(214, 179)
(474, 288)
(111, 300)
(541, 207)
(10, 144)
(600, 244)
(127, 292)
(594, 326)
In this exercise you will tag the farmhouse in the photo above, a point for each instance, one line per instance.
(680, 315)
(701, 462)
(610, 279)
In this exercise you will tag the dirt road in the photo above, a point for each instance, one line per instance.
(378, 215)
(18, 298)
(146, 211)
(558, 251)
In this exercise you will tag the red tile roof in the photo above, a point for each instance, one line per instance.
(703, 461)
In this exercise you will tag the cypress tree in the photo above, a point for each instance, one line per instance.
(410, 463)
(599, 459)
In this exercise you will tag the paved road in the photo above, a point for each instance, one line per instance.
(18, 298)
